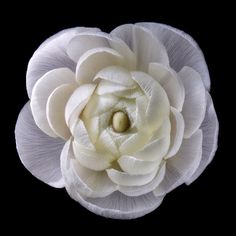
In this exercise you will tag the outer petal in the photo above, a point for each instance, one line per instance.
(41, 92)
(118, 205)
(168, 79)
(92, 61)
(86, 41)
(144, 44)
(195, 100)
(210, 129)
(182, 165)
(56, 110)
(181, 48)
(88, 182)
(39, 153)
(51, 55)
(81, 43)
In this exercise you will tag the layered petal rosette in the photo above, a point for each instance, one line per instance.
(118, 119)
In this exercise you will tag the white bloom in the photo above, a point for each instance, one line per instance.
(118, 119)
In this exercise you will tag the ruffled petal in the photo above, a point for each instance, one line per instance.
(125, 179)
(177, 132)
(41, 92)
(107, 87)
(210, 130)
(116, 74)
(181, 48)
(158, 146)
(86, 41)
(81, 136)
(168, 79)
(81, 43)
(133, 143)
(77, 102)
(98, 105)
(118, 205)
(39, 153)
(51, 55)
(158, 104)
(182, 165)
(91, 159)
(144, 189)
(92, 126)
(195, 100)
(56, 110)
(143, 43)
(106, 143)
(92, 61)
(88, 182)
(135, 166)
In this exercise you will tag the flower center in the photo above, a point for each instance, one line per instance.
(120, 122)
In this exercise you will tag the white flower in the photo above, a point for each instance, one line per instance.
(118, 119)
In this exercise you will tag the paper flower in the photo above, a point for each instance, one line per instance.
(118, 119)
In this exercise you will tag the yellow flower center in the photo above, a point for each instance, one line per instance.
(120, 121)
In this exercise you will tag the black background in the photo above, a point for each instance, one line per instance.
(204, 205)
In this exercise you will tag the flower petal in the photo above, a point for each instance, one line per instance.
(118, 205)
(56, 110)
(168, 79)
(158, 146)
(144, 189)
(91, 159)
(182, 49)
(107, 87)
(92, 61)
(133, 143)
(125, 179)
(39, 153)
(92, 126)
(81, 43)
(77, 102)
(134, 166)
(90, 183)
(51, 55)
(182, 165)
(158, 104)
(195, 100)
(106, 143)
(86, 41)
(177, 132)
(210, 130)
(42, 90)
(143, 43)
(98, 105)
(116, 74)
(81, 136)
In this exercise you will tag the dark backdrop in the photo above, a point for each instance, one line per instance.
(202, 205)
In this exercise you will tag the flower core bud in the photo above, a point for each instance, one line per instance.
(120, 122)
